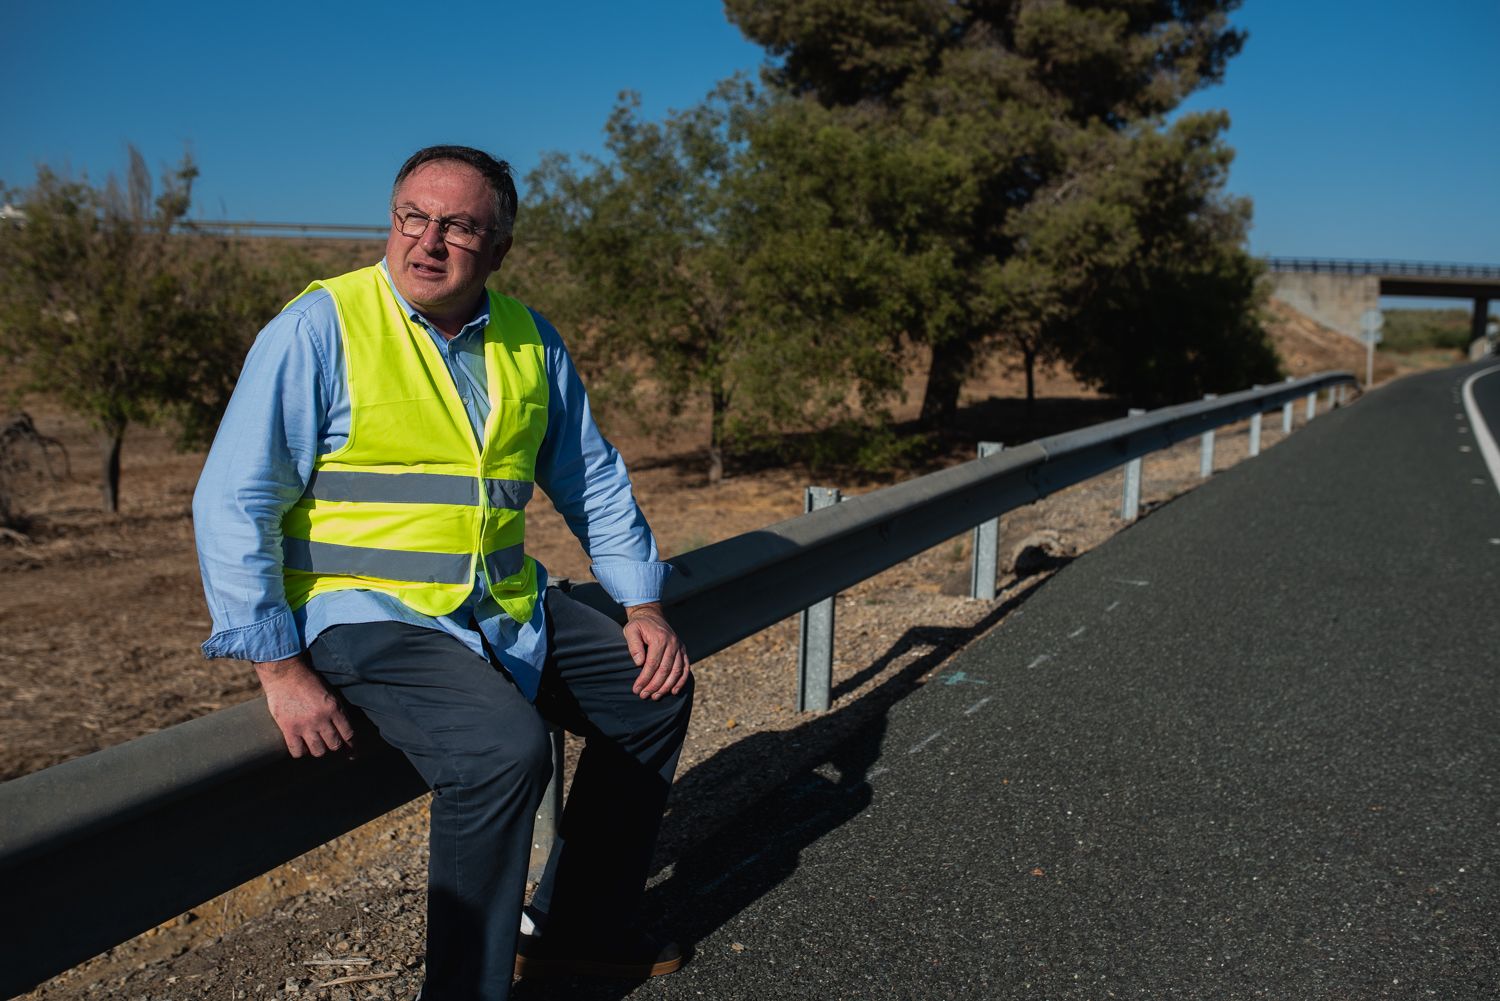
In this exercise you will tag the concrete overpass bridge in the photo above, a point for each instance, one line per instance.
(1336, 292)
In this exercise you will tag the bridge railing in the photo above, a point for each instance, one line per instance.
(1405, 269)
(103, 847)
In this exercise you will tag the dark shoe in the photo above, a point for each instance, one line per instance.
(633, 955)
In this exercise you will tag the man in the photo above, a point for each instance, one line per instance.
(360, 524)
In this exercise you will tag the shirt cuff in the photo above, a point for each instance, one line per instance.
(632, 583)
(273, 638)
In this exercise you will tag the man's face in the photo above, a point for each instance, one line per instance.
(441, 281)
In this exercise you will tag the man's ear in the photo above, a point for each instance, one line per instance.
(501, 249)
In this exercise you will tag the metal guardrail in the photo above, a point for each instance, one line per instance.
(270, 228)
(1403, 269)
(103, 847)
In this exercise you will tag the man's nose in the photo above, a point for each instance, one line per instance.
(432, 237)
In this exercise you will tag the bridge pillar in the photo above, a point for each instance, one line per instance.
(1478, 320)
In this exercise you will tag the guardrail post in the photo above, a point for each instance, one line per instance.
(983, 561)
(1206, 460)
(1130, 509)
(815, 642)
(549, 814)
(1286, 414)
(1255, 421)
(1312, 405)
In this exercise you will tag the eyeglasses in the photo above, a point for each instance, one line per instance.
(454, 232)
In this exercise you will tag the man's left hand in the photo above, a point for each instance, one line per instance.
(656, 650)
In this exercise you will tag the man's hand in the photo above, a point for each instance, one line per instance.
(656, 650)
(310, 717)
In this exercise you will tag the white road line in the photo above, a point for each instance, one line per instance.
(1134, 583)
(1039, 661)
(1482, 435)
(913, 749)
(1113, 606)
(977, 706)
(1078, 632)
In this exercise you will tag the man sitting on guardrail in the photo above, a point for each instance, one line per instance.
(360, 524)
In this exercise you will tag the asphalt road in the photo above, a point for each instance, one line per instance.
(1247, 749)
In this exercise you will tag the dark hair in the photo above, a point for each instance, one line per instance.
(496, 174)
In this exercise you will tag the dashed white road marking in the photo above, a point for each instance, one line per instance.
(1078, 632)
(1039, 661)
(1133, 583)
(913, 749)
(1113, 605)
(980, 704)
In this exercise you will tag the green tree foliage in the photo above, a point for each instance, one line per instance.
(668, 252)
(1031, 175)
(105, 305)
(1409, 330)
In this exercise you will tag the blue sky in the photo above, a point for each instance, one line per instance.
(1362, 129)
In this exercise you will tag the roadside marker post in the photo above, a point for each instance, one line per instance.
(1286, 414)
(815, 639)
(983, 562)
(1312, 405)
(1370, 323)
(1206, 460)
(1130, 507)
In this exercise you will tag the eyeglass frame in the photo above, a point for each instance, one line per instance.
(444, 223)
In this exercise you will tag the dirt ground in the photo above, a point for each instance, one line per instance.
(101, 618)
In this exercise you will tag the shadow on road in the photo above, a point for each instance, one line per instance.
(800, 785)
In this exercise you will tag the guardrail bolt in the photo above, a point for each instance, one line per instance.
(984, 559)
(815, 641)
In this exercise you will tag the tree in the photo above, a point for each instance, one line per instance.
(107, 306)
(1029, 109)
(668, 253)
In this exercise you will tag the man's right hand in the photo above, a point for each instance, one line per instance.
(310, 717)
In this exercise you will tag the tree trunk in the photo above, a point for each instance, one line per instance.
(109, 446)
(719, 407)
(950, 366)
(1028, 358)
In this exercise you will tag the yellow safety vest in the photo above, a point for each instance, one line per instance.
(411, 506)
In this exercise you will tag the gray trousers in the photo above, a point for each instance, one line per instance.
(484, 752)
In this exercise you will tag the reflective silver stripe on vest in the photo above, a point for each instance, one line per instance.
(415, 488)
(512, 494)
(387, 564)
(503, 563)
(392, 488)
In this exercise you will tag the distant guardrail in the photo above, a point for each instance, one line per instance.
(280, 228)
(1403, 269)
(108, 845)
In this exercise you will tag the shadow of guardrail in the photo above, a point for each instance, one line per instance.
(805, 782)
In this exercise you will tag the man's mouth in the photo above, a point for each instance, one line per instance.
(429, 270)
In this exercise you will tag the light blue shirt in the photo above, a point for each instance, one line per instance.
(291, 404)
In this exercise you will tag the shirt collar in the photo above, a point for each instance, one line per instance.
(477, 322)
